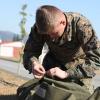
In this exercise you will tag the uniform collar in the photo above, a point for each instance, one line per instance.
(67, 35)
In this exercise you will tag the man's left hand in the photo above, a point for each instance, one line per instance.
(56, 71)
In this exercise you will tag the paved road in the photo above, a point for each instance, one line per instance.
(19, 69)
(14, 67)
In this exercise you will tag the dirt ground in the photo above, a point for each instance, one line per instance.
(10, 82)
(8, 85)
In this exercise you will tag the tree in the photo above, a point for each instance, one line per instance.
(22, 23)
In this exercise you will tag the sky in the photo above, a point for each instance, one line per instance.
(10, 17)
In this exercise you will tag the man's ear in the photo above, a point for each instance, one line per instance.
(63, 23)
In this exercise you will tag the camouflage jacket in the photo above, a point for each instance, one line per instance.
(77, 47)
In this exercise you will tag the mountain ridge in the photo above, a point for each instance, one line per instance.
(8, 36)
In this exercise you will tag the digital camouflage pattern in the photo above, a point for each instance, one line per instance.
(78, 50)
(77, 46)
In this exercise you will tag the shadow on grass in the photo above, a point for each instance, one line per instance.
(8, 97)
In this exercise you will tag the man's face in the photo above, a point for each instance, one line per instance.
(57, 31)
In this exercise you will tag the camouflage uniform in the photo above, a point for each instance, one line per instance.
(77, 50)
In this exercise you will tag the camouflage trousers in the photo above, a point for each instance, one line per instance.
(88, 84)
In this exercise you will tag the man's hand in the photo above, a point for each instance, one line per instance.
(38, 70)
(57, 72)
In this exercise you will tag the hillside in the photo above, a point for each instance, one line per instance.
(8, 36)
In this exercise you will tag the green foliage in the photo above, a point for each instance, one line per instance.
(22, 23)
(24, 6)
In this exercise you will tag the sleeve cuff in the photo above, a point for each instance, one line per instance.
(32, 59)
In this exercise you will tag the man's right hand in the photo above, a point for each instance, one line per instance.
(38, 70)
